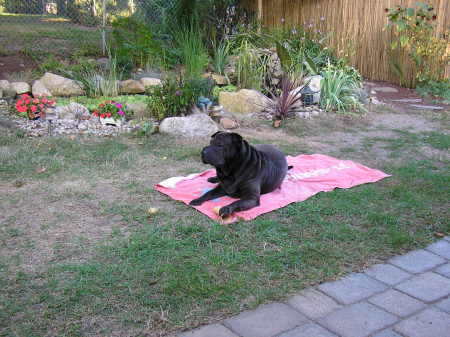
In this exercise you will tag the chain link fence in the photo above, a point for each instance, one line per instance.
(63, 27)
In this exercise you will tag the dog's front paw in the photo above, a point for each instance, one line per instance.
(225, 211)
(196, 202)
(213, 180)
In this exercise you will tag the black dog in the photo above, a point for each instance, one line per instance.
(243, 171)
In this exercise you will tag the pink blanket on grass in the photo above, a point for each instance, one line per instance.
(310, 175)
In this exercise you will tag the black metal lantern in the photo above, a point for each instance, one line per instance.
(307, 96)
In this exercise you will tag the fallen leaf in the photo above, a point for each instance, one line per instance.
(41, 170)
(19, 183)
(439, 234)
(72, 137)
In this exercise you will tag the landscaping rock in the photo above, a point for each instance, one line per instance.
(385, 89)
(131, 87)
(218, 79)
(61, 86)
(139, 109)
(4, 85)
(7, 90)
(198, 125)
(228, 123)
(315, 84)
(362, 95)
(72, 111)
(38, 89)
(244, 101)
(150, 82)
(20, 87)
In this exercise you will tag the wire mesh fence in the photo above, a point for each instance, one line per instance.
(61, 27)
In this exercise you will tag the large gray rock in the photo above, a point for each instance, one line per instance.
(244, 101)
(7, 90)
(71, 111)
(38, 89)
(150, 82)
(198, 125)
(20, 87)
(61, 86)
(131, 87)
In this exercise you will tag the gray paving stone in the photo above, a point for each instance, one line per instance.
(358, 320)
(427, 107)
(428, 323)
(352, 288)
(387, 273)
(442, 248)
(444, 270)
(313, 303)
(426, 287)
(447, 238)
(266, 321)
(385, 89)
(444, 305)
(215, 330)
(387, 333)
(308, 330)
(417, 261)
(397, 303)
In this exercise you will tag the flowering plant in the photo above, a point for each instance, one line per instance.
(110, 109)
(33, 108)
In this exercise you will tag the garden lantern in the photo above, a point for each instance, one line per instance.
(307, 95)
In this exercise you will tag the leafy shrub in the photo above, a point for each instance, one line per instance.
(415, 31)
(251, 67)
(192, 51)
(435, 88)
(96, 80)
(220, 57)
(176, 96)
(339, 91)
(217, 90)
(135, 44)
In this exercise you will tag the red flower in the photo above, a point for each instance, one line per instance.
(25, 96)
(36, 101)
(33, 108)
(102, 116)
(41, 106)
(44, 100)
(108, 115)
(101, 105)
(386, 10)
(434, 17)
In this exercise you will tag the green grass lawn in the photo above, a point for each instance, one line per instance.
(36, 35)
(143, 274)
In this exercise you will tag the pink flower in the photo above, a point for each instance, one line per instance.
(120, 112)
(21, 108)
(120, 106)
(33, 108)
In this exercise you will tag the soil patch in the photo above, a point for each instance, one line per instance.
(14, 64)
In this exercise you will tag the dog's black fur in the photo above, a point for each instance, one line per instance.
(243, 171)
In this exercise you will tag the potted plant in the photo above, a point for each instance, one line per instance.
(110, 113)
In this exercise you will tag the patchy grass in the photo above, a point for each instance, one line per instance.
(144, 275)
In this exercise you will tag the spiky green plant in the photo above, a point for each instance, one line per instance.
(339, 91)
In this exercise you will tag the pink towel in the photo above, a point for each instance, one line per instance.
(310, 175)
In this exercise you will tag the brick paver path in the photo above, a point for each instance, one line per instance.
(409, 296)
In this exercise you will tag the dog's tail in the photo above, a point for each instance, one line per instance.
(289, 167)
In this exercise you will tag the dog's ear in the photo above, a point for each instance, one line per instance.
(216, 134)
(236, 138)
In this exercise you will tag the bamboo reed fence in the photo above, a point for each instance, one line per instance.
(356, 28)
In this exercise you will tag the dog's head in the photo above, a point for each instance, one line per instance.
(223, 147)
